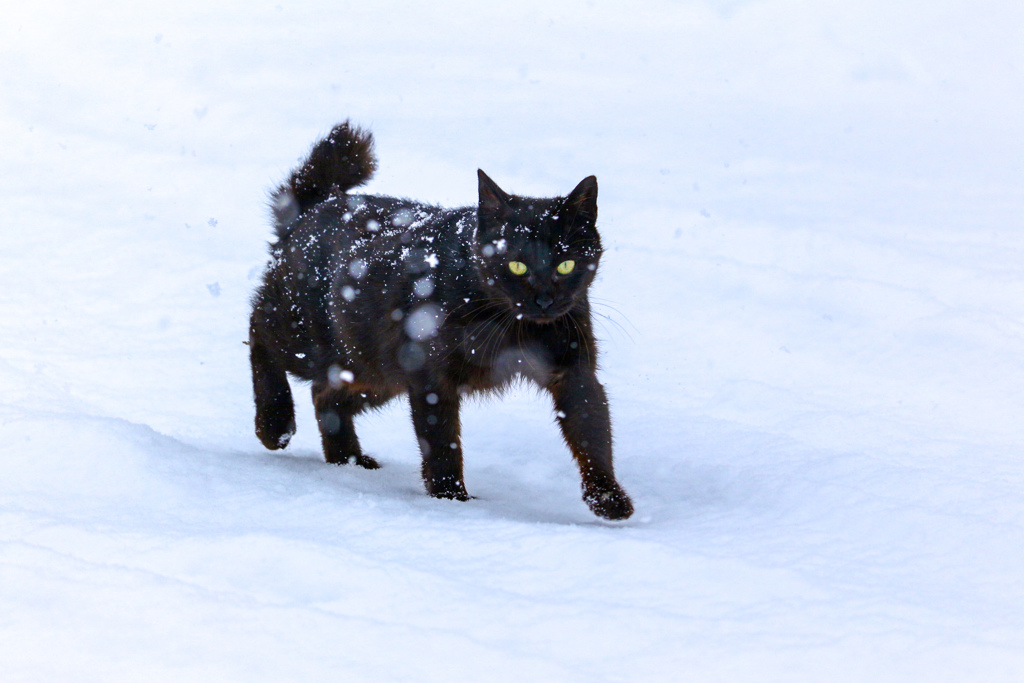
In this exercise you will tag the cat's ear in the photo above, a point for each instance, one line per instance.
(582, 202)
(493, 200)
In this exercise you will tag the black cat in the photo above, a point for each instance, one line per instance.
(369, 297)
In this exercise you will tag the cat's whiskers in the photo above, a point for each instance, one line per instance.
(481, 303)
(497, 334)
(582, 338)
(472, 316)
(607, 303)
(607, 318)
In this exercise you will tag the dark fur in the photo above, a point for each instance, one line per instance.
(370, 297)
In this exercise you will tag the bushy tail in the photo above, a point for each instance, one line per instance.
(342, 160)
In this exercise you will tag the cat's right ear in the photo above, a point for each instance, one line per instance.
(493, 199)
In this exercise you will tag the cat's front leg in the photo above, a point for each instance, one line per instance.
(435, 416)
(583, 416)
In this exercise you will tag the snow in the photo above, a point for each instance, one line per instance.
(423, 287)
(337, 375)
(357, 268)
(422, 323)
(811, 309)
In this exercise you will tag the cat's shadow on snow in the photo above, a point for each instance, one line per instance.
(496, 491)
(536, 490)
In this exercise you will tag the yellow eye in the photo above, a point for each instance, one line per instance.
(517, 267)
(565, 267)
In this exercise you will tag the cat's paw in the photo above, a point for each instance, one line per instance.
(367, 463)
(364, 461)
(610, 503)
(274, 429)
(450, 490)
(460, 496)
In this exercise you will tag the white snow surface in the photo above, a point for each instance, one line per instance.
(811, 306)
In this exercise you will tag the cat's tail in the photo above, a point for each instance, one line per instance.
(342, 160)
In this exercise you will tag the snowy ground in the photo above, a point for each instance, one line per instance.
(814, 345)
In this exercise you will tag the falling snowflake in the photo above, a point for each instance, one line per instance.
(357, 268)
(423, 322)
(338, 376)
(424, 287)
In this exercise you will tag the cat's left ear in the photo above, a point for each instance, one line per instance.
(582, 202)
(493, 199)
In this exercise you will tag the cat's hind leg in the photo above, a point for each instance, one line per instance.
(275, 411)
(335, 409)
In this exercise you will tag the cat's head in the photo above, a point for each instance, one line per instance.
(537, 255)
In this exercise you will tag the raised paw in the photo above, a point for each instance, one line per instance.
(609, 503)
(274, 430)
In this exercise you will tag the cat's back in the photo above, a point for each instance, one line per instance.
(376, 228)
(397, 251)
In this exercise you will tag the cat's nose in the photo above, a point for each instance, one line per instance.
(544, 301)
